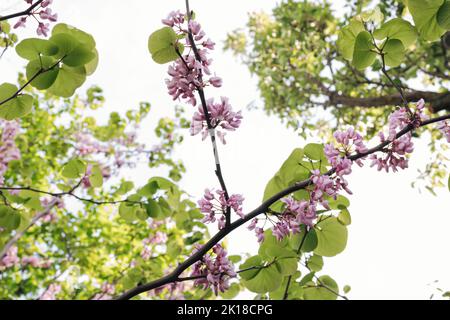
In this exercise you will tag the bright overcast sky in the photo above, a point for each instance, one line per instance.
(398, 241)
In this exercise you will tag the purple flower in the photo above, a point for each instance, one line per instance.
(21, 23)
(444, 127)
(221, 116)
(174, 18)
(43, 29)
(212, 205)
(215, 271)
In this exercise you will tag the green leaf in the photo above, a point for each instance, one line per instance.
(251, 262)
(125, 187)
(16, 107)
(394, 52)
(397, 28)
(32, 48)
(271, 247)
(65, 44)
(291, 164)
(347, 37)
(311, 241)
(31, 200)
(314, 151)
(153, 208)
(128, 211)
(81, 36)
(69, 79)
(443, 15)
(79, 56)
(274, 186)
(9, 218)
(231, 292)
(315, 263)
(96, 177)
(331, 237)
(93, 64)
(344, 217)
(363, 56)
(287, 266)
(47, 78)
(149, 189)
(347, 289)
(424, 13)
(163, 183)
(307, 278)
(74, 169)
(161, 45)
(375, 15)
(266, 280)
(321, 293)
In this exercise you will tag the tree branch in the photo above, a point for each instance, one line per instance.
(211, 129)
(173, 276)
(41, 71)
(22, 13)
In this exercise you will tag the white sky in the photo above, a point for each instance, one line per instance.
(398, 241)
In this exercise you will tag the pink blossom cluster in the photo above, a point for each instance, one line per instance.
(107, 291)
(304, 212)
(220, 114)
(51, 215)
(259, 232)
(87, 145)
(444, 127)
(10, 259)
(51, 292)
(36, 262)
(212, 205)
(41, 13)
(8, 149)
(401, 118)
(214, 272)
(348, 141)
(187, 72)
(187, 76)
(394, 156)
(158, 238)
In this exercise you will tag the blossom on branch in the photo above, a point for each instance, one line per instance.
(41, 13)
(216, 205)
(221, 116)
(214, 271)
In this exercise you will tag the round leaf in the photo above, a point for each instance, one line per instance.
(32, 48)
(331, 237)
(443, 15)
(363, 56)
(47, 78)
(161, 45)
(75, 168)
(14, 108)
(394, 53)
(397, 28)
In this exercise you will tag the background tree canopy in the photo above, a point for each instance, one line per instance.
(367, 84)
(302, 52)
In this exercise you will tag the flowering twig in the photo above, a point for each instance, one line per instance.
(22, 13)
(211, 130)
(174, 275)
